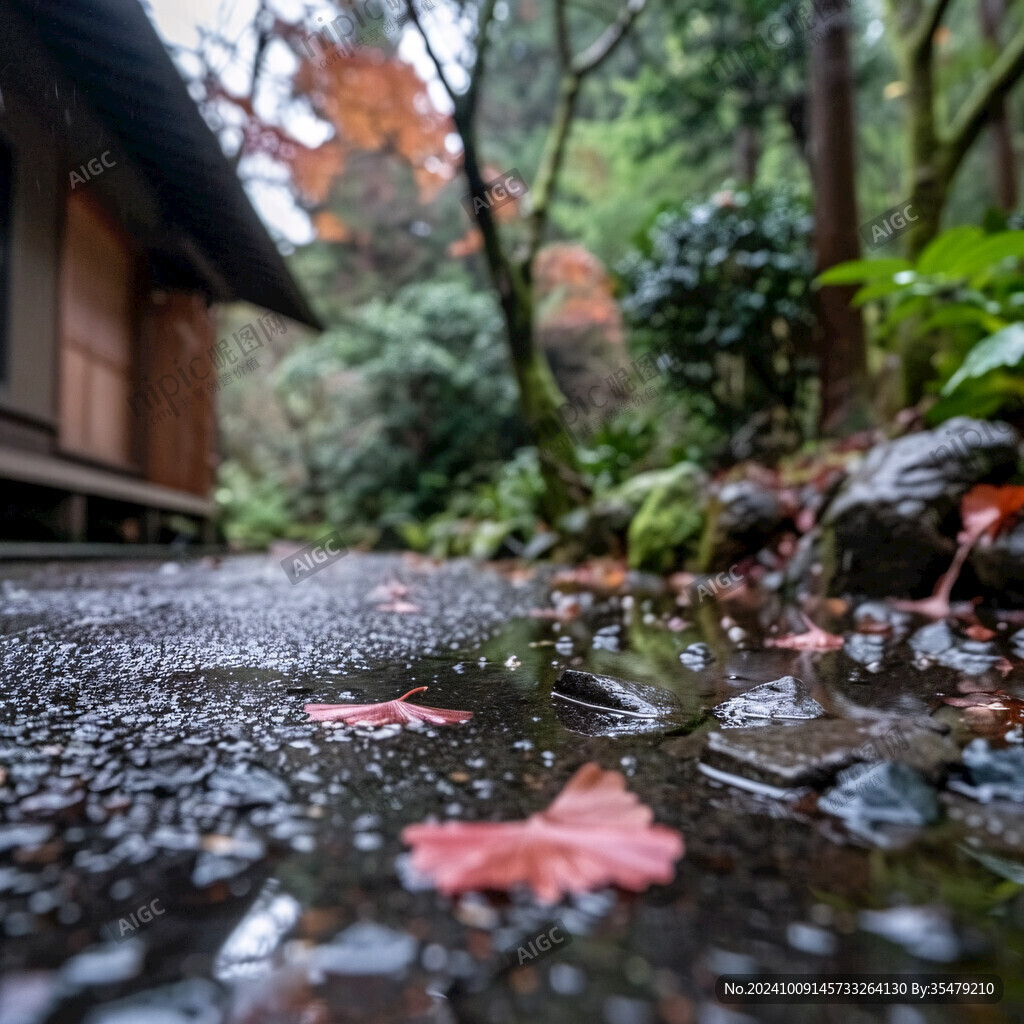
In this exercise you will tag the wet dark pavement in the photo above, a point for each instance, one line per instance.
(154, 753)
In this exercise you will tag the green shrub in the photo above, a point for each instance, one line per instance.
(722, 289)
(400, 402)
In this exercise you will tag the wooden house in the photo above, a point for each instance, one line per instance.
(121, 225)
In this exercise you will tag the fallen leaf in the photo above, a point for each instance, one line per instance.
(989, 713)
(392, 712)
(401, 607)
(599, 575)
(595, 833)
(389, 590)
(980, 632)
(565, 612)
(815, 639)
(986, 510)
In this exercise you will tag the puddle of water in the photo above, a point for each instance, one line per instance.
(271, 843)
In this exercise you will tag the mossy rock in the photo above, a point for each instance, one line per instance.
(739, 520)
(667, 524)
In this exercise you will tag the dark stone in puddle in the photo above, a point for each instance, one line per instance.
(787, 697)
(888, 531)
(939, 642)
(589, 721)
(865, 648)
(697, 657)
(812, 753)
(596, 705)
(1017, 643)
(888, 793)
(606, 693)
(992, 772)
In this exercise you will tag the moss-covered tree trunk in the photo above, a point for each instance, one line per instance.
(935, 152)
(540, 400)
(511, 267)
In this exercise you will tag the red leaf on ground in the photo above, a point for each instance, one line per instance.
(598, 574)
(389, 590)
(392, 712)
(986, 510)
(816, 639)
(989, 714)
(402, 607)
(565, 612)
(595, 833)
(979, 632)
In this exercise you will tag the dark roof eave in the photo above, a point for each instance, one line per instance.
(114, 55)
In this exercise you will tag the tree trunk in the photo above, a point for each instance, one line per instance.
(746, 154)
(1004, 164)
(839, 338)
(540, 401)
(539, 396)
(929, 175)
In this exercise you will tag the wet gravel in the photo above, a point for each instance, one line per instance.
(179, 844)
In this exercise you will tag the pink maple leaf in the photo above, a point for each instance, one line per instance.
(392, 712)
(595, 833)
(815, 639)
(399, 606)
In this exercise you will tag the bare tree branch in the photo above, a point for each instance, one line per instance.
(476, 76)
(977, 109)
(926, 23)
(605, 44)
(452, 95)
(562, 34)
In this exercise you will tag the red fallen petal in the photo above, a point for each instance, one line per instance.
(402, 607)
(392, 712)
(986, 510)
(595, 833)
(815, 639)
(390, 590)
(997, 700)
(980, 632)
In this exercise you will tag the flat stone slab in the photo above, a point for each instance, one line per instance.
(618, 696)
(788, 698)
(812, 753)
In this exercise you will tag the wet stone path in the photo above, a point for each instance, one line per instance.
(180, 845)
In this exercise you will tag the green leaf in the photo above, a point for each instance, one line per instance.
(987, 253)
(1004, 348)
(878, 290)
(960, 315)
(856, 271)
(907, 307)
(942, 251)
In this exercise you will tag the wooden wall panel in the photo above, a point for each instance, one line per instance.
(96, 329)
(180, 431)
